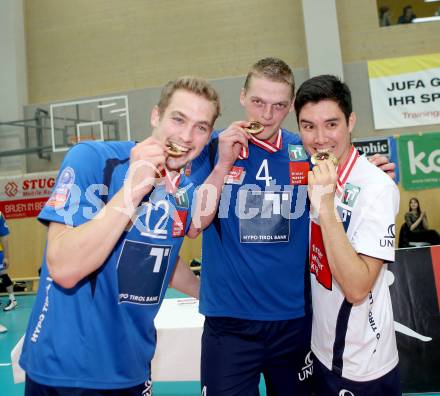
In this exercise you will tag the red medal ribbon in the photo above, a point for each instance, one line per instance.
(264, 144)
(345, 170)
(171, 183)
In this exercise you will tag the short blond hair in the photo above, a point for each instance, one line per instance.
(196, 85)
(274, 69)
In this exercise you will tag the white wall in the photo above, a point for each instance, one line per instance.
(13, 82)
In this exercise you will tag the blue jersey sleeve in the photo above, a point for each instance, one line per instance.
(74, 199)
(4, 229)
(295, 138)
(202, 166)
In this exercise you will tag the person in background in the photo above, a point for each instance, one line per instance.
(417, 222)
(4, 264)
(353, 205)
(407, 15)
(384, 16)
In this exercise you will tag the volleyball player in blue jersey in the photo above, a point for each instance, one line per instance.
(115, 229)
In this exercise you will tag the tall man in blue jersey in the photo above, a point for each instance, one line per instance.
(117, 218)
(254, 292)
(255, 289)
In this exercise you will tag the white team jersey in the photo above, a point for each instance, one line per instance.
(357, 341)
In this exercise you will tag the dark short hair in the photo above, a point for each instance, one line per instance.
(324, 87)
(274, 69)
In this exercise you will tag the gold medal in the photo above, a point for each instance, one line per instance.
(254, 128)
(173, 150)
(324, 156)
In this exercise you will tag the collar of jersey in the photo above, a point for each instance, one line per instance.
(264, 144)
(345, 170)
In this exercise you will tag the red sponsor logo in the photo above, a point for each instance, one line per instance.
(179, 223)
(58, 199)
(32, 184)
(11, 189)
(318, 258)
(299, 172)
(236, 175)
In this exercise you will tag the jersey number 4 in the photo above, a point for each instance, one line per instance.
(263, 173)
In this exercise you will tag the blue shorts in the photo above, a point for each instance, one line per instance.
(328, 383)
(35, 389)
(235, 352)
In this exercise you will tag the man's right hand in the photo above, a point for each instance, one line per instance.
(147, 160)
(230, 143)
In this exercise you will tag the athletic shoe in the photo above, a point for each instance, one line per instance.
(3, 329)
(10, 305)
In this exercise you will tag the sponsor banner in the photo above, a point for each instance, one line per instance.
(420, 161)
(415, 294)
(405, 91)
(25, 195)
(386, 146)
(21, 208)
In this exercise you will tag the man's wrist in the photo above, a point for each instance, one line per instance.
(327, 212)
(221, 170)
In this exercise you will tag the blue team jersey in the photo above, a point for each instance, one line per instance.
(100, 334)
(254, 254)
(4, 231)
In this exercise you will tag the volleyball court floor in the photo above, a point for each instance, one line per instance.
(16, 322)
